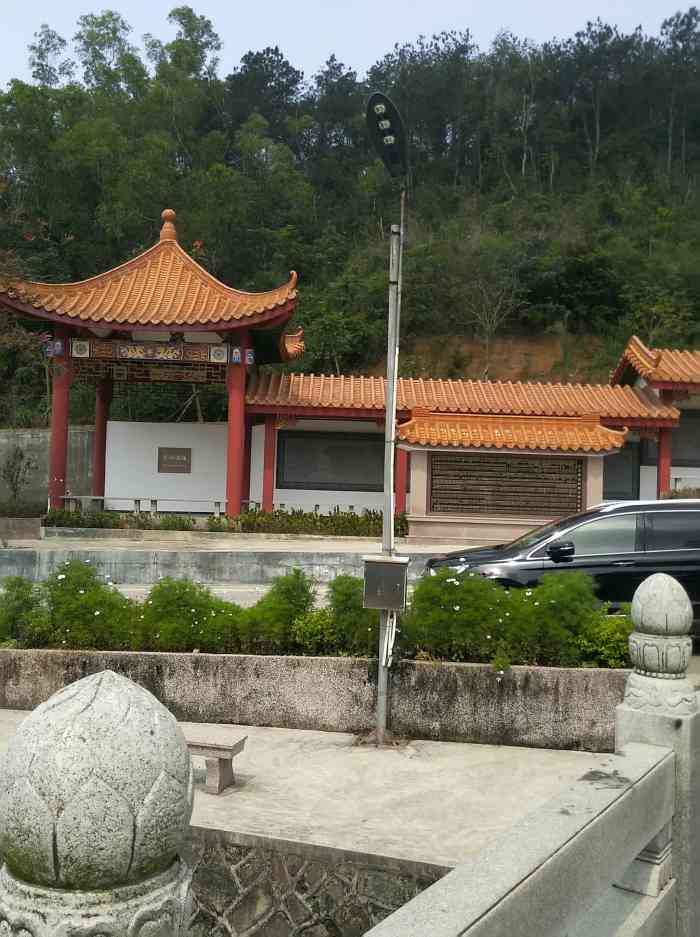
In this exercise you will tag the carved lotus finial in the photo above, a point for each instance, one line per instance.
(95, 788)
(168, 232)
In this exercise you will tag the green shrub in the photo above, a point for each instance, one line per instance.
(357, 628)
(88, 519)
(336, 523)
(84, 612)
(314, 633)
(173, 522)
(604, 640)
(23, 618)
(268, 625)
(456, 618)
(179, 615)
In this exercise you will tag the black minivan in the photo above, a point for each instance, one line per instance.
(620, 544)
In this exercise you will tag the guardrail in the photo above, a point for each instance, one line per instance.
(97, 503)
(553, 868)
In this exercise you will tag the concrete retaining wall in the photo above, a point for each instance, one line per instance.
(20, 528)
(539, 707)
(143, 567)
(35, 442)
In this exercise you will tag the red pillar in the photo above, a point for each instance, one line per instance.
(400, 480)
(270, 450)
(58, 445)
(663, 471)
(235, 382)
(103, 399)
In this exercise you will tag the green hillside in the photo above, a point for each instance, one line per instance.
(553, 192)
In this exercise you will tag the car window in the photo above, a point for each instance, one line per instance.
(673, 530)
(614, 534)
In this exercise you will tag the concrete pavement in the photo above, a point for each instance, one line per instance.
(433, 802)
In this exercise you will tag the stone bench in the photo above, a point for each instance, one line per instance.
(218, 756)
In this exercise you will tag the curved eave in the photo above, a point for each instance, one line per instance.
(277, 314)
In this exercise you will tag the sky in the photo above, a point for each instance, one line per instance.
(307, 31)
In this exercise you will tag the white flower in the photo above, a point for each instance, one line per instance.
(501, 672)
(150, 601)
(488, 636)
(507, 614)
(537, 603)
(192, 610)
(455, 581)
(96, 614)
(81, 591)
(500, 621)
(529, 592)
(457, 608)
(61, 576)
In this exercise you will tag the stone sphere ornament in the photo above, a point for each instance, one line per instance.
(96, 792)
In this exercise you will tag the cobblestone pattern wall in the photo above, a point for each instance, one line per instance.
(250, 891)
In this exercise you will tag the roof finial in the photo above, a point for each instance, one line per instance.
(168, 232)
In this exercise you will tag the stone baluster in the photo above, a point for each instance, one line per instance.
(660, 707)
(95, 802)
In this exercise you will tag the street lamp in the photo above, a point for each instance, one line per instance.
(385, 576)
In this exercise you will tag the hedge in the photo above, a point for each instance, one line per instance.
(558, 623)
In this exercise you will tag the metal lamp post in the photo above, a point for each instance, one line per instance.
(385, 575)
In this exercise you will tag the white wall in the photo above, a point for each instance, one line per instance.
(326, 500)
(132, 465)
(680, 478)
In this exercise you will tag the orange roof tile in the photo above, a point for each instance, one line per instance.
(162, 287)
(612, 403)
(658, 365)
(525, 433)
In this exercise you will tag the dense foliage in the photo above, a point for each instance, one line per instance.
(336, 523)
(470, 619)
(552, 187)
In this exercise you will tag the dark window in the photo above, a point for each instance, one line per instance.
(673, 530)
(330, 461)
(621, 474)
(605, 535)
(685, 443)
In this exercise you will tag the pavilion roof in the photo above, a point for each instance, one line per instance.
(524, 433)
(162, 288)
(621, 405)
(662, 366)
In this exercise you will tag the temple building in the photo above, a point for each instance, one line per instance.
(478, 461)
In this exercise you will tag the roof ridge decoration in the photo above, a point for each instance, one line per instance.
(583, 434)
(663, 367)
(180, 293)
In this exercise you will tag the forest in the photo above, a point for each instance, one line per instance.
(552, 190)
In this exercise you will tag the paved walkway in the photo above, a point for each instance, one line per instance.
(437, 802)
(237, 543)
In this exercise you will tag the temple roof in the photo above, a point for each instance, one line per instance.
(525, 433)
(664, 366)
(161, 288)
(622, 405)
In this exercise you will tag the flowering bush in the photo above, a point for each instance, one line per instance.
(469, 618)
(557, 623)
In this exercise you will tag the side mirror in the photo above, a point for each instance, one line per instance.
(561, 550)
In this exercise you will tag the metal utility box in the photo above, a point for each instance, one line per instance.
(386, 579)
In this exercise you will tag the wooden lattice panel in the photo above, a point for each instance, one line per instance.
(466, 483)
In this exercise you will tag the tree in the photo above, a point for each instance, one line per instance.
(15, 470)
(48, 68)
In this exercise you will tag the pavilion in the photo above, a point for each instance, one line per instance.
(158, 318)
(481, 460)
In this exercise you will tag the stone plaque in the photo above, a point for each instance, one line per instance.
(174, 461)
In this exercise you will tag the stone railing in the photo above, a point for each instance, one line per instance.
(615, 852)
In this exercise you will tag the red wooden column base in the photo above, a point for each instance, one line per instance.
(235, 449)
(400, 480)
(270, 451)
(663, 471)
(58, 445)
(103, 399)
